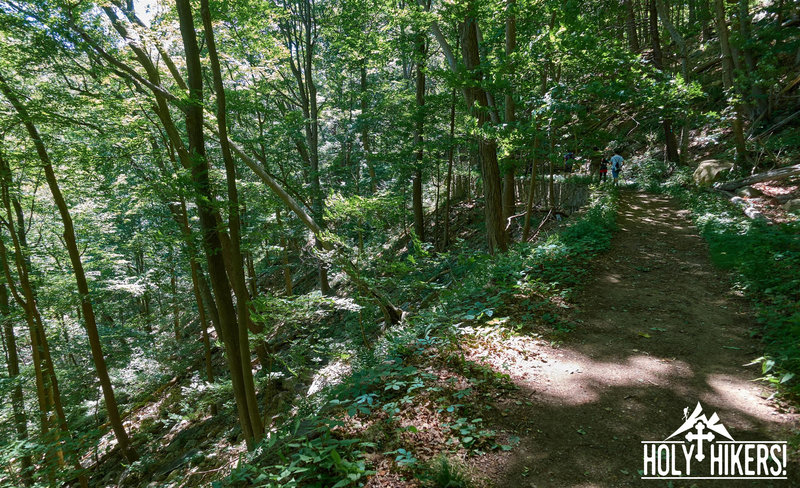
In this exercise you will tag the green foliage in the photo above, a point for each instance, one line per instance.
(575, 84)
(445, 472)
(469, 433)
(649, 173)
(552, 268)
(297, 457)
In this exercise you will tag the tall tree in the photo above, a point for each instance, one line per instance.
(683, 54)
(509, 196)
(239, 365)
(658, 62)
(236, 262)
(487, 146)
(366, 144)
(17, 398)
(419, 138)
(737, 124)
(80, 276)
(630, 26)
(300, 31)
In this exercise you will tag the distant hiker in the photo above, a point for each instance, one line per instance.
(569, 158)
(616, 165)
(604, 168)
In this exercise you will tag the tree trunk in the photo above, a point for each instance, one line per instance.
(671, 141)
(17, 399)
(182, 217)
(727, 81)
(419, 125)
(773, 174)
(672, 153)
(655, 40)
(630, 26)
(487, 147)
(551, 188)
(234, 226)
(745, 31)
(176, 316)
(312, 134)
(287, 271)
(509, 197)
(208, 223)
(80, 278)
(365, 143)
(658, 61)
(526, 228)
(705, 18)
(449, 184)
(252, 278)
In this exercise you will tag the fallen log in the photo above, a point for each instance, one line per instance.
(773, 174)
(779, 124)
(706, 66)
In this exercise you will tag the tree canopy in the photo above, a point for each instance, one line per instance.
(227, 193)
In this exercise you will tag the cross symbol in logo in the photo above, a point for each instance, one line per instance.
(700, 437)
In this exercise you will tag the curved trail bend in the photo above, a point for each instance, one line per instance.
(659, 330)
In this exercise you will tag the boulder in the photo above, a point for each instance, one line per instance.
(709, 171)
(792, 205)
(748, 192)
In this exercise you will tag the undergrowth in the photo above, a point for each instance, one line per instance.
(764, 259)
(538, 278)
(413, 404)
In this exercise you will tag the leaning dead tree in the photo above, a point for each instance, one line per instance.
(773, 174)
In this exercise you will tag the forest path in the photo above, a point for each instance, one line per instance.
(659, 330)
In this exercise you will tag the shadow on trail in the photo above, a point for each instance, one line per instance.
(659, 330)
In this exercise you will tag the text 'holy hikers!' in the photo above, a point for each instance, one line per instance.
(708, 451)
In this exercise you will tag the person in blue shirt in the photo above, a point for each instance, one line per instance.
(616, 165)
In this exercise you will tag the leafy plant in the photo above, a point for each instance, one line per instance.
(445, 472)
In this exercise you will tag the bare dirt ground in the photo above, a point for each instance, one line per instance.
(659, 329)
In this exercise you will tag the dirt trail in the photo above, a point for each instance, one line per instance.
(659, 330)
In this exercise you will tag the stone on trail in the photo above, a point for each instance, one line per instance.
(709, 171)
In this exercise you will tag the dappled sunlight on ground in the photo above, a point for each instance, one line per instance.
(657, 331)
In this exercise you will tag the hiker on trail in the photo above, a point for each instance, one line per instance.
(604, 168)
(616, 166)
(569, 158)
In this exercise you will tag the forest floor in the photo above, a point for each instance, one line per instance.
(659, 330)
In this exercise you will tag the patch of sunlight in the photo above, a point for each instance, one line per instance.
(581, 380)
(330, 375)
(737, 394)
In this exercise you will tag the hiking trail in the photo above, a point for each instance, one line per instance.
(659, 329)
